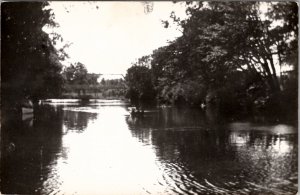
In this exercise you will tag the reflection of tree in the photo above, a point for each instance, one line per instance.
(29, 152)
(166, 118)
(77, 120)
(271, 159)
(233, 161)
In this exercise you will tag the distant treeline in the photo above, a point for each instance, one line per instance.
(231, 54)
(109, 89)
(78, 83)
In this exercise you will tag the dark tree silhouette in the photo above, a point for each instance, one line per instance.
(139, 80)
(228, 51)
(30, 66)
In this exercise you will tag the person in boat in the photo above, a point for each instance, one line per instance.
(132, 112)
(137, 112)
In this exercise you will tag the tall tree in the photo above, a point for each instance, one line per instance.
(222, 37)
(246, 37)
(30, 64)
(140, 82)
(231, 47)
(77, 74)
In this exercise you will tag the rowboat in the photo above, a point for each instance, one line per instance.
(136, 112)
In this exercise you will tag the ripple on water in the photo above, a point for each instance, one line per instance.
(175, 153)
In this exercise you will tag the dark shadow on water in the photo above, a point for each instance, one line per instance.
(28, 148)
(204, 153)
(31, 145)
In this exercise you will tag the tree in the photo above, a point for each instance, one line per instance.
(80, 74)
(77, 74)
(227, 48)
(140, 82)
(221, 39)
(103, 81)
(69, 74)
(92, 78)
(243, 35)
(30, 64)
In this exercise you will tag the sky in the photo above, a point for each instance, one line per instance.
(109, 36)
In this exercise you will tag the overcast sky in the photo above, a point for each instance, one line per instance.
(108, 36)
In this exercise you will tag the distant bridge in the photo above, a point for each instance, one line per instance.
(95, 91)
(112, 74)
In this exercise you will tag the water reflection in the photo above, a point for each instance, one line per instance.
(216, 157)
(77, 121)
(29, 151)
(101, 149)
(169, 118)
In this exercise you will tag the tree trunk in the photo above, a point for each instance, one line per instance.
(276, 82)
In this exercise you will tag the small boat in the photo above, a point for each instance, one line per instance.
(135, 112)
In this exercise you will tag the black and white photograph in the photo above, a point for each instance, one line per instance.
(149, 97)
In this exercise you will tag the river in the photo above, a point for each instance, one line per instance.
(98, 148)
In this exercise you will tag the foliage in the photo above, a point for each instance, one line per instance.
(140, 82)
(77, 74)
(30, 65)
(230, 49)
(188, 92)
(113, 83)
(108, 89)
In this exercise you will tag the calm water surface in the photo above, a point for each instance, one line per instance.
(67, 148)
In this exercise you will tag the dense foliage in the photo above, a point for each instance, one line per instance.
(113, 88)
(106, 89)
(77, 74)
(140, 82)
(30, 67)
(230, 54)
